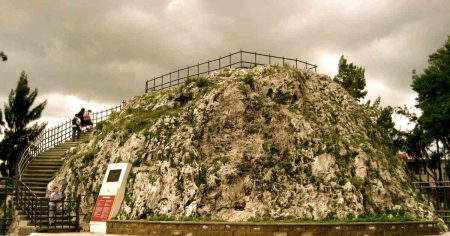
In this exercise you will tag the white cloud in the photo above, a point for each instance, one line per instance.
(328, 64)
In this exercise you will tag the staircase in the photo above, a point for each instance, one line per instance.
(35, 178)
(40, 171)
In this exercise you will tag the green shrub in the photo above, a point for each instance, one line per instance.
(184, 98)
(202, 82)
(99, 125)
(285, 165)
(89, 157)
(201, 177)
(248, 79)
(136, 162)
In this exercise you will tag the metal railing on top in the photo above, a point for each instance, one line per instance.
(240, 59)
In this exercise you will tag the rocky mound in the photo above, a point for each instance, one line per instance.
(264, 142)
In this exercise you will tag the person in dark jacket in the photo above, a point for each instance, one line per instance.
(80, 115)
(76, 127)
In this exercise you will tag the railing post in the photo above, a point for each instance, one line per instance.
(77, 212)
(255, 58)
(241, 57)
(208, 67)
(270, 62)
(230, 60)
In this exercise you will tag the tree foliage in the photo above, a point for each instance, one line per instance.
(433, 88)
(382, 118)
(351, 77)
(17, 124)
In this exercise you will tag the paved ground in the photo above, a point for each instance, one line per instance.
(98, 234)
(68, 234)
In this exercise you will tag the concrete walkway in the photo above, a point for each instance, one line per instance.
(73, 233)
(99, 234)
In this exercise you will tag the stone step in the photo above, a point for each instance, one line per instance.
(27, 179)
(40, 175)
(53, 153)
(37, 188)
(67, 144)
(40, 171)
(46, 163)
(40, 193)
(48, 166)
(36, 183)
(51, 159)
(49, 155)
(44, 160)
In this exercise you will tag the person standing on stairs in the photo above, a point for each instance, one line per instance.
(81, 116)
(76, 127)
(55, 197)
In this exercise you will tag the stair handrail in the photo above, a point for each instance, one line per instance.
(27, 200)
(54, 136)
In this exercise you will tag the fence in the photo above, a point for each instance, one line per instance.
(437, 194)
(6, 189)
(240, 59)
(64, 215)
(54, 136)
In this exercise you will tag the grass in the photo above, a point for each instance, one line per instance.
(170, 218)
(389, 216)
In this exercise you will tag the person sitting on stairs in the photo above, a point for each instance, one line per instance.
(87, 117)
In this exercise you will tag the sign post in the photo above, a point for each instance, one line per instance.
(110, 197)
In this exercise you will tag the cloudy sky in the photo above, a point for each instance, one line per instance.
(98, 53)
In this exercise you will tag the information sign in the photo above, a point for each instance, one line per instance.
(102, 208)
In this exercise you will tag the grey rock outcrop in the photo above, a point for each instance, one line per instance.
(264, 142)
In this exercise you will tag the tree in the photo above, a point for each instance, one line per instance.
(433, 89)
(19, 133)
(382, 118)
(351, 77)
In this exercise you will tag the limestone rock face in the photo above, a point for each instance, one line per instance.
(264, 142)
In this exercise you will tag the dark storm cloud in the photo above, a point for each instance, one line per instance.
(104, 51)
